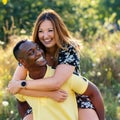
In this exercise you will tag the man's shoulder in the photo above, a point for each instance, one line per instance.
(50, 71)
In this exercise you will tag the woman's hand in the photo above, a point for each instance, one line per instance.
(14, 86)
(19, 74)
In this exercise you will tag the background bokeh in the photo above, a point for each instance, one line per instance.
(96, 23)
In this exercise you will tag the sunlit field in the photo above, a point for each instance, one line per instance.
(96, 23)
(100, 63)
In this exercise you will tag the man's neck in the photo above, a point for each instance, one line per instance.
(37, 73)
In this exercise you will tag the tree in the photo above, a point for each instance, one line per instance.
(21, 15)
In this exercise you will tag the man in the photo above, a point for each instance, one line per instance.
(32, 58)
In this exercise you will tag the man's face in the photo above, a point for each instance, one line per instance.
(32, 55)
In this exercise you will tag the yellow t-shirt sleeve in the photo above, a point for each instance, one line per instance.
(20, 97)
(78, 84)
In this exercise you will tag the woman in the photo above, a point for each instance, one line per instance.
(61, 52)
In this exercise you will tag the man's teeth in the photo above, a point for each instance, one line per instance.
(39, 59)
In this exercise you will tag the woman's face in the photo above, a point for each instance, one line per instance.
(46, 34)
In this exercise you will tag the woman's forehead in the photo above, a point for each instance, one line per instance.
(46, 24)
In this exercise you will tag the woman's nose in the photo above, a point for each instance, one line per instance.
(45, 35)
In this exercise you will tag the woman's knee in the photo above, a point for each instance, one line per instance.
(87, 114)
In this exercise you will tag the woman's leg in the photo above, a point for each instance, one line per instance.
(85, 108)
(28, 117)
(87, 114)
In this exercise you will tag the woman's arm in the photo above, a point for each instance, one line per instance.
(68, 62)
(20, 73)
(58, 95)
(62, 73)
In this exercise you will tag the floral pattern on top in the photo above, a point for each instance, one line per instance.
(71, 57)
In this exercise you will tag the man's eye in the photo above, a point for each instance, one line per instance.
(31, 53)
(38, 48)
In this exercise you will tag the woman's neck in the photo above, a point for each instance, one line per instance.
(51, 51)
(51, 56)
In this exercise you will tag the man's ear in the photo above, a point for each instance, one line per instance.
(22, 62)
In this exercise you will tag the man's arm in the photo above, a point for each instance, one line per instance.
(96, 98)
(20, 73)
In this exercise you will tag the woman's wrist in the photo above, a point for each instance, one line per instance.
(23, 84)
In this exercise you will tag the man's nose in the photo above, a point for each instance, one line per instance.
(38, 52)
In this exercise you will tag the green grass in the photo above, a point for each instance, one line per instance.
(100, 63)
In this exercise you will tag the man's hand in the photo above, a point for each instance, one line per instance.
(14, 86)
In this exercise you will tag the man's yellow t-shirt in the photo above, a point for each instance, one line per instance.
(48, 109)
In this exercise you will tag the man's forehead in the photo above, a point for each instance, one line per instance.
(27, 45)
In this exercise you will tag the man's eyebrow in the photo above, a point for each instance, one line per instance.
(36, 44)
(29, 50)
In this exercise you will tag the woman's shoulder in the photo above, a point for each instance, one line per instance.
(68, 48)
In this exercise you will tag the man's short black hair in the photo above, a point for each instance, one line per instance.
(17, 47)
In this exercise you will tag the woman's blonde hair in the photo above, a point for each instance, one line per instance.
(62, 35)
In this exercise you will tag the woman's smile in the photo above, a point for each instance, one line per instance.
(46, 34)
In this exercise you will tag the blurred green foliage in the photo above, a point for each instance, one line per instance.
(94, 22)
(100, 61)
(83, 18)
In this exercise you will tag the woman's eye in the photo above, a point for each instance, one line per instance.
(39, 30)
(50, 30)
